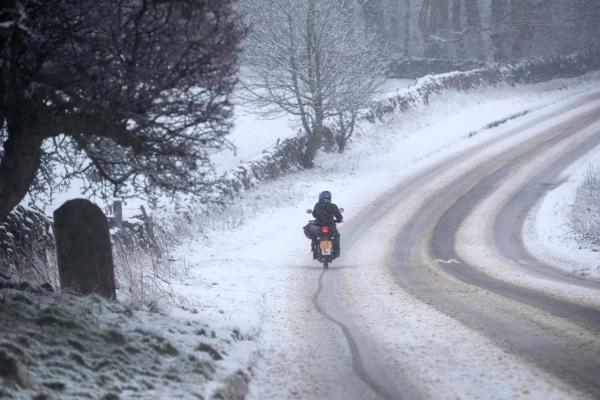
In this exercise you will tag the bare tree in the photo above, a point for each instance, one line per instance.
(131, 94)
(309, 59)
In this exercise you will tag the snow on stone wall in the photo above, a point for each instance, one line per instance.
(526, 72)
(413, 68)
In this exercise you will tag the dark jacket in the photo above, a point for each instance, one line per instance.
(327, 213)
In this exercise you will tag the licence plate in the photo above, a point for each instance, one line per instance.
(326, 246)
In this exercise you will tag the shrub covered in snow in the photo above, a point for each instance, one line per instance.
(27, 246)
(585, 214)
(143, 274)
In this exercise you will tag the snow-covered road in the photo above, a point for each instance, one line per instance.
(543, 321)
(558, 335)
(427, 300)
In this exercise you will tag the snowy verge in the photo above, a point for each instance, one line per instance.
(547, 232)
(64, 347)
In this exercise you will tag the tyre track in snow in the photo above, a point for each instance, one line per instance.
(503, 311)
(367, 364)
(446, 228)
(444, 237)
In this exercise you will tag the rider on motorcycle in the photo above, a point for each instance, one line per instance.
(327, 213)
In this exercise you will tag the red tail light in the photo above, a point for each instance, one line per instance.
(325, 229)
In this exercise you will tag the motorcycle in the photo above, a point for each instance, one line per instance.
(322, 237)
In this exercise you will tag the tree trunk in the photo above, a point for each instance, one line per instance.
(425, 27)
(455, 21)
(313, 143)
(587, 19)
(456, 26)
(373, 14)
(443, 26)
(20, 162)
(443, 17)
(474, 39)
(341, 143)
(473, 15)
(394, 34)
(340, 137)
(407, 29)
(315, 134)
(434, 23)
(522, 27)
(499, 36)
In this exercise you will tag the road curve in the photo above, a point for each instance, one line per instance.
(510, 221)
(562, 336)
(555, 334)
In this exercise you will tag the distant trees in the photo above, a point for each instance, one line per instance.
(311, 59)
(451, 29)
(487, 30)
(373, 13)
(524, 28)
(130, 95)
(586, 22)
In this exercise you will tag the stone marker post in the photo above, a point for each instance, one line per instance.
(85, 263)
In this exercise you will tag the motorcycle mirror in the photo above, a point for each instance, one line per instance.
(309, 211)
(341, 210)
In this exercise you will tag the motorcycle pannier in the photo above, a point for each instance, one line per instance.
(311, 230)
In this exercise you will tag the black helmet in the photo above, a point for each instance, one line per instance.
(325, 196)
